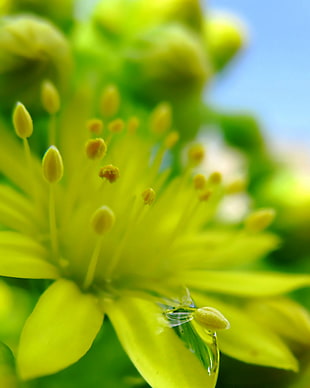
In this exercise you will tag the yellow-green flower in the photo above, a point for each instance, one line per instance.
(103, 219)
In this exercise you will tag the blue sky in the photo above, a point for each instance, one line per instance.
(272, 77)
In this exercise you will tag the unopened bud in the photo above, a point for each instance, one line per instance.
(102, 220)
(110, 101)
(52, 165)
(50, 97)
(211, 319)
(161, 118)
(259, 220)
(22, 121)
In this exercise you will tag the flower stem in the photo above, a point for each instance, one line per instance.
(92, 264)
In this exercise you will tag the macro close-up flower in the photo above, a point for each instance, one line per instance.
(115, 233)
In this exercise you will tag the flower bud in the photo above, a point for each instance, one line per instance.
(31, 50)
(224, 38)
(170, 61)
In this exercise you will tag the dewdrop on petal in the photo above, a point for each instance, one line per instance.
(22, 121)
(259, 220)
(95, 148)
(148, 196)
(50, 97)
(102, 220)
(52, 165)
(211, 319)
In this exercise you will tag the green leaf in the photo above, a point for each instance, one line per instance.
(248, 340)
(247, 284)
(59, 331)
(157, 352)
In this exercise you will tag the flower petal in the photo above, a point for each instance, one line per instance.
(244, 283)
(21, 257)
(248, 340)
(59, 331)
(156, 350)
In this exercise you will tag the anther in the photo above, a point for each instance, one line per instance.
(196, 154)
(205, 195)
(95, 126)
(259, 220)
(109, 172)
(116, 126)
(22, 121)
(161, 118)
(52, 165)
(236, 186)
(133, 124)
(110, 101)
(215, 178)
(50, 97)
(211, 319)
(171, 139)
(102, 220)
(148, 196)
(199, 181)
(95, 148)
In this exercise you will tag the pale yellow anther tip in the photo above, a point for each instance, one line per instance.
(102, 220)
(199, 181)
(95, 148)
(171, 139)
(95, 126)
(259, 220)
(110, 101)
(116, 126)
(196, 154)
(236, 186)
(52, 165)
(50, 97)
(133, 124)
(109, 172)
(148, 196)
(22, 121)
(161, 118)
(211, 319)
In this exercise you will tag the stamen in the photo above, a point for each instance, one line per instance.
(199, 181)
(259, 220)
(95, 148)
(205, 195)
(110, 101)
(102, 221)
(161, 118)
(52, 167)
(215, 178)
(133, 124)
(211, 319)
(196, 154)
(22, 121)
(171, 140)
(235, 187)
(110, 173)
(116, 126)
(51, 103)
(95, 126)
(148, 196)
